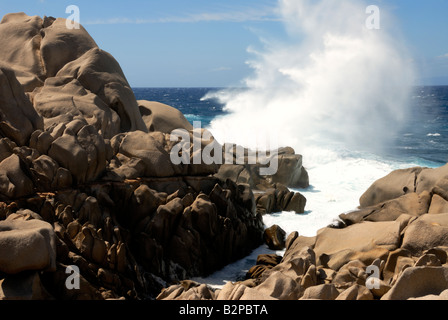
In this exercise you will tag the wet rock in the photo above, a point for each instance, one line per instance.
(274, 237)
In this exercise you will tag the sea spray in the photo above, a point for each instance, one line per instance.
(337, 92)
(333, 79)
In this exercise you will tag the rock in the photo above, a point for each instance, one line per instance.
(162, 118)
(391, 262)
(290, 172)
(264, 262)
(429, 260)
(418, 282)
(412, 204)
(24, 286)
(297, 203)
(394, 185)
(64, 99)
(351, 273)
(150, 149)
(438, 205)
(81, 150)
(321, 292)
(101, 74)
(187, 290)
(47, 175)
(362, 237)
(77, 157)
(68, 76)
(56, 284)
(238, 291)
(401, 182)
(298, 272)
(22, 33)
(279, 199)
(427, 232)
(430, 178)
(279, 286)
(356, 292)
(432, 297)
(60, 45)
(274, 237)
(14, 182)
(19, 119)
(27, 245)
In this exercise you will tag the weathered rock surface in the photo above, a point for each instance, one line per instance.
(87, 179)
(279, 199)
(26, 246)
(392, 250)
(401, 182)
(274, 237)
(162, 118)
(289, 173)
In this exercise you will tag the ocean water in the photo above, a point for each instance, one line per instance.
(339, 175)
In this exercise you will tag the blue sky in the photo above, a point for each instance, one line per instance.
(204, 43)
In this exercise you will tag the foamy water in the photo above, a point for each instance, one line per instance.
(332, 89)
(337, 183)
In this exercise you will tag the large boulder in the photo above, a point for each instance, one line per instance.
(287, 164)
(161, 117)
(100, 73)
(23, 287)
(149, 155)
(67, 76)
(26, 245)
(22, 54)
(64, 99)
(79, 148)
(410, 204)
(14, 182)
(401, 182)
(394, 185)
(279, 199)
(60, 45)
(274, 237)
(369, 238)
(19, 119)
(418, 282)
(427, 232)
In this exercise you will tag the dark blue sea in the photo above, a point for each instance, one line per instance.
(424, 136)
(338, 177)
(188, 100)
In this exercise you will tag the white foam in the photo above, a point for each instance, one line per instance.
(333, 86)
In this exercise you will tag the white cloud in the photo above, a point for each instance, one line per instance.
(264, 13)
(443, 56)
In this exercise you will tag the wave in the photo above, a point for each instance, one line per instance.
(332, 79)
(334, 91)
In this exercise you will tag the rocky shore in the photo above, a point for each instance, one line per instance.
(87, 183)
(394, 247)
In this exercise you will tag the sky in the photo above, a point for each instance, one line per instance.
(208, 43)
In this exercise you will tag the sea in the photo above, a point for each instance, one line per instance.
(338, 175)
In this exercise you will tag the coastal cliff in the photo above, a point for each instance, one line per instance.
(393, 247)
(87, 181)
